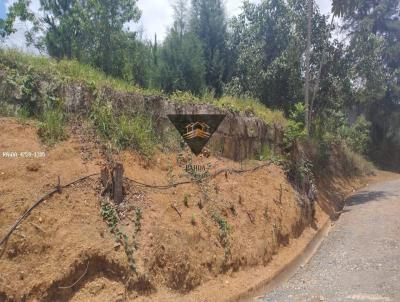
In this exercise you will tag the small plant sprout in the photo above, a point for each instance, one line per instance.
(186, 200)
(193, 220)
(266, 214)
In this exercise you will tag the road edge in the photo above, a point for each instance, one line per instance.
(288, 270)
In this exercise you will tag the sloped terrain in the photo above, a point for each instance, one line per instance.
(185, 239)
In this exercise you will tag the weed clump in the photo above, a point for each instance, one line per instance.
(123, 131)
(110, 215)
(52, 127)
(224, 230)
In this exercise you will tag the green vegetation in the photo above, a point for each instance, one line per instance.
(266, 152)
(110, 216)
(24, 66)
(134, 131)
(295, 129)
(52, 127)
(224, 230)
(138, 220)
(357, 137)
(241, 64)
(65, 71)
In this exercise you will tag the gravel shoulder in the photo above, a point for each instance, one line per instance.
(360, 259)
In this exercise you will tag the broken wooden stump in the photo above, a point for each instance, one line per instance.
(117, 181)
(112, 181)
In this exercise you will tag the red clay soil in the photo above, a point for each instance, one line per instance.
(231, 231)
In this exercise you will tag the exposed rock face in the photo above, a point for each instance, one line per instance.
(238, 137)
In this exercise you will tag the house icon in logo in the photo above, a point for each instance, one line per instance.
(197, 129)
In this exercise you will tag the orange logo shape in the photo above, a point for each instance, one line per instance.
(197, 129)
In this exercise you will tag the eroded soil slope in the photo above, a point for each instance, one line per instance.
(186, 242)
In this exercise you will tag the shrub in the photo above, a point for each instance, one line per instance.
(295, 127)
(323, 150)
(357, 137)
(293, 132)
(52, 126)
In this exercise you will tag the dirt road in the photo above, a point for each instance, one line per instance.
(360, 259)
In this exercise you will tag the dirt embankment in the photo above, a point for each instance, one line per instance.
(205, 241)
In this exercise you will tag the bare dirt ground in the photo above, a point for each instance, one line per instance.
(64, 250)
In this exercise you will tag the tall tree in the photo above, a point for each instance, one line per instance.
(103, 29)
(182, 65)
(208, 22)
(268, 41)
(181, 12)
(373, 29)
(308, 53)
(91, 31)
(19, 9)
(341, 7)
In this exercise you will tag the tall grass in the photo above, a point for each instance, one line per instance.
(72, 70)
(355, 163)
(124, 131)
(66, 70)
(134, 132)
(52, 127)
(235, 104)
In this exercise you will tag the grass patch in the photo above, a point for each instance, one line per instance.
(356, 164)
(135, 131)
(236, 105)
(65, 71)
(252, 107)
(52, 127)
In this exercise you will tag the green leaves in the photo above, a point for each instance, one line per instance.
(208, 23)
(268, 43)
(124, 131)
(182, 65)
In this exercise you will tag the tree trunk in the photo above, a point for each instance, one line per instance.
(307, 82)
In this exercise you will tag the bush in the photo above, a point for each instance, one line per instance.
(293, 132)
(295, 127)
(357, 137)
(323, 150)
(52, 126)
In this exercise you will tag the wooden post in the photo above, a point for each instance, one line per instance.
(105, 175)
(117, 181)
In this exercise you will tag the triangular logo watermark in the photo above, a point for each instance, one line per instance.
(196, 129)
